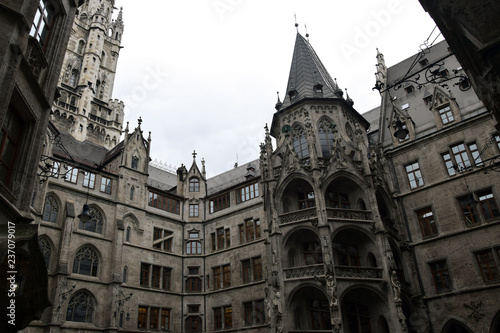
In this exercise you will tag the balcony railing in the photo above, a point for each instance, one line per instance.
(298, 215)
(100, 120)
(67, 106)
(348, 214)
(304, 271)
(359, 272)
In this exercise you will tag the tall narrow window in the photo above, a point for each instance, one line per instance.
(226, 276)
(46, 249)
(488, 205)
(228, 317)
(441, 276)
(325, 133)
(193, 210)
(446, 115)
(132, 189)
(142, 317)
(50, 209)
(89, 180)
(414, 175)
(217, 318)
(469, 211)
(71, 175)
(487, 266)
(165, 320)
(127, 235)
(144, 278)
(300, 141)
(135, 163)
(427, 222)
(105, 185)
(42, 23)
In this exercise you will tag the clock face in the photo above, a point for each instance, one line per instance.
(286, 129)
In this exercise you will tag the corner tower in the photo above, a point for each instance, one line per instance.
(85, 107)
(331, 249)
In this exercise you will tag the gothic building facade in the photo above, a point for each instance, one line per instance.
(374, 222)
(33, 37)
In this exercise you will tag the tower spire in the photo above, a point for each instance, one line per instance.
(308, 75)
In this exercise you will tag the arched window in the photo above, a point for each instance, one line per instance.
(81, 46)
(132, 189)
(325, 131)
(95, 223)
(73, 80)
(299, 141)
(86, 261)
(194, 185)
(46, 249)
(80, 307)
(127, 235)
(124, 277)
(349, 131)
(134, 164)
(50, 209)
(193, 247)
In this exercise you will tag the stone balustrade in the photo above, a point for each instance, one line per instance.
(304, 271)
(358, 272)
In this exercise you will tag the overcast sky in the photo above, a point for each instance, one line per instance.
(203, 74)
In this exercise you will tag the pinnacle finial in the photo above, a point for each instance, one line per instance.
(296, 24)
(307, 34)
(139, 121)
(194, 154)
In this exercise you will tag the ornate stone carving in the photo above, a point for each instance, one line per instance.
(477, 312)
(304, 271)
(359, 272)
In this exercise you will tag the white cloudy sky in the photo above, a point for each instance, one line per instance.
(203, 74)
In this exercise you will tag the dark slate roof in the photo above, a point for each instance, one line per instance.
(232, 177)
(161, 179)
(373, 117)
(86, 152)
(306, 71)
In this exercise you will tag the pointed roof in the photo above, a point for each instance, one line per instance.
(307, 72)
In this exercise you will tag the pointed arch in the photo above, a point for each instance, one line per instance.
(326, 134)
(455, 326)
(51, 208)
(46, 247)
(495, 323)
(299, 140)
(81, 307)
(86, 261)
(96, 222)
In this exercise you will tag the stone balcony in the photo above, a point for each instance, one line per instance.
(358, 272)
(331, 213)
(304, 271)
(348, 214)
(298, 215)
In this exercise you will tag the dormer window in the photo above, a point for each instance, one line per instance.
(423, 62)
(443, 72)
(293, 95)
(409, 89)
(428, 100)
(318, 89)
